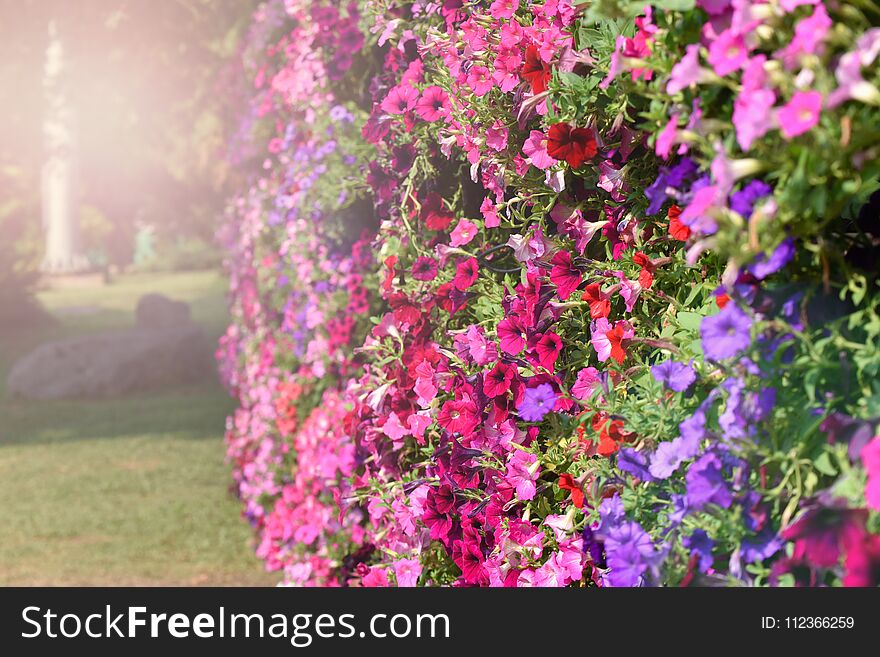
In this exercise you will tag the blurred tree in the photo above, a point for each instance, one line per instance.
(151, 115)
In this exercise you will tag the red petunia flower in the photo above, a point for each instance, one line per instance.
(611, 434)
(405, 311)
(434, 213)
(677, 230)
(600, 303)
(574, 145)
(535, 71)
(646, 275)
(567, 482)
(390, 272)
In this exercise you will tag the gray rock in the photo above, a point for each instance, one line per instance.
(155, 311)
(112, 364)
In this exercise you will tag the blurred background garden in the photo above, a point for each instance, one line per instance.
(111, 142)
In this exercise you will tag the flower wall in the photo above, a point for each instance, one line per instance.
(547, 293)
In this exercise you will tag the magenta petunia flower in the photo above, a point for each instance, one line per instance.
(433, 104)
(548, 348)
(400, 99)
(728, 53)
(512, 335)
(822, 533)
(424, 268)
(871, 461)
(497, 381)
(465, 274)
(503, 8)
(564, 275)
(800, 114)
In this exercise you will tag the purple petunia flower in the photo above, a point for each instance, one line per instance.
(743, 201)
(656, 193)
(761, 547)
(694, 427)
(726, 334)
(537, 402)
(670, 455)
(781, 256)
(633, 462)
(675, 376)
(706, 483)
(700, 543)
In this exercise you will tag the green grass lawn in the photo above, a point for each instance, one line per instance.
(129, 491)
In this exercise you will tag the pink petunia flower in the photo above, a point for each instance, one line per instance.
(479, 347)
(728, 53)
(666, 138)
(490, 213)
(535, 150)
(871, 461)
(753, 115)
(522, 472)
(800, 114)
(809, 34)
(407, 572)
(503, 8)
(507, 69)
(687, 72)
(587, 381)
(433, 104)
(465, 231)
(496, 136)
(479, 80)
(400, 99)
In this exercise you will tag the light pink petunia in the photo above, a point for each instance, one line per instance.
(666, 138)
(407, 572)
(753, 116)
(687, 72)
(535, 150)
